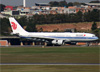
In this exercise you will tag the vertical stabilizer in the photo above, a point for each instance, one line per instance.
(16, 27)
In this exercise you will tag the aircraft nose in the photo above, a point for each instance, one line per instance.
(96, 38)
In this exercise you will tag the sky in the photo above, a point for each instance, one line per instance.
(30, 3)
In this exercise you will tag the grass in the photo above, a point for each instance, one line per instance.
(50, 55)
(50, 68)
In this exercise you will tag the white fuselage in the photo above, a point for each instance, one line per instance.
(63, 36)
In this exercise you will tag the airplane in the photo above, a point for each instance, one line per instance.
(55, 38)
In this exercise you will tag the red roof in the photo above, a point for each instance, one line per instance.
(11, 7)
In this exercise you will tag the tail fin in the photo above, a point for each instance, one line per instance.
(16, 28)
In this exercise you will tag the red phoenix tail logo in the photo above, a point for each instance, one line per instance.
(14, 26)
(84, 35)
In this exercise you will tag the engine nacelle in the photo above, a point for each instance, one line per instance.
(58, 42)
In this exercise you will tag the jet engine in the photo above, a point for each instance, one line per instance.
(58, 42)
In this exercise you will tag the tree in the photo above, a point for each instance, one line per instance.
(29, 23)
(92, 16)
(2, 7)
(4, 26)
(79, 16)
(56, 30)
(23, 21)
(73, 18)
(94, 26)
(95, 15)
(31, 26)
(54, 3)
(57, 4)
(76, 3)
(70, 4)
(40, 30)
(62, 3)
(83, 4)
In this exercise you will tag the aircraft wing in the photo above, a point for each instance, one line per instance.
(47, 38)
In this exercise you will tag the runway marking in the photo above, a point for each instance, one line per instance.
(43, 64)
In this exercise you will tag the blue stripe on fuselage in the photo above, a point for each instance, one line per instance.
(66, 37)
(73, 37)
(25, 37)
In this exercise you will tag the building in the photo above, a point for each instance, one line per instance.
(94, 5)
(11, 13)
(71, 9)
(44, 8)
(2, 16)
(8, 8)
